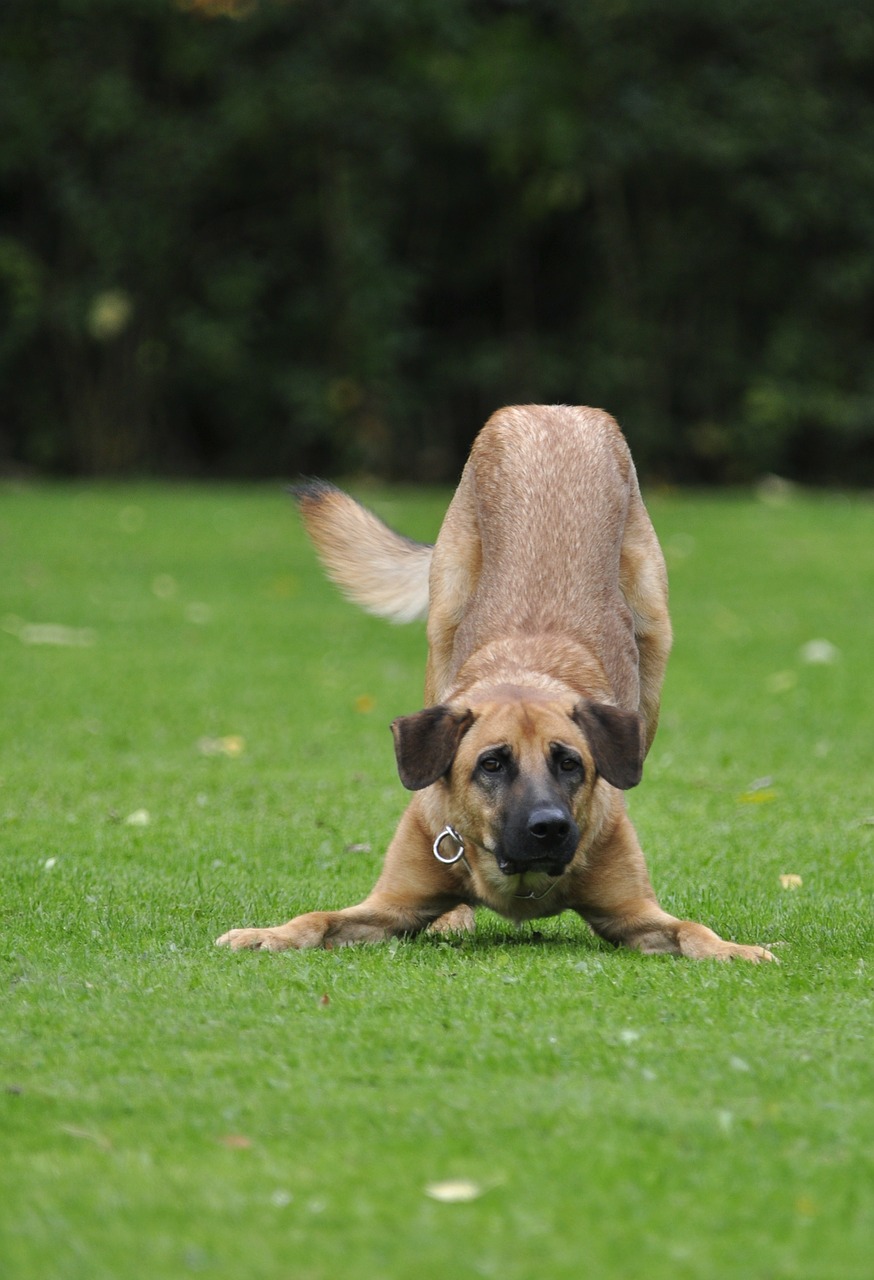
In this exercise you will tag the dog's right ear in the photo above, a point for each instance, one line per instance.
(426, 743)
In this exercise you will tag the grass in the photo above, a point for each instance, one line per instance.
(206, 746)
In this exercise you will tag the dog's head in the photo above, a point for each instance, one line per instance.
(520, 770)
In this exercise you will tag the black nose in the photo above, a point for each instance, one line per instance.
(550, 826)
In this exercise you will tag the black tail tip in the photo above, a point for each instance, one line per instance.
(308, 491)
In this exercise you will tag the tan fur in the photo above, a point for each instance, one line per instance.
(376, 568)
(548, 636)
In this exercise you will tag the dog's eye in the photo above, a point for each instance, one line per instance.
(491, 764)
(570, 764)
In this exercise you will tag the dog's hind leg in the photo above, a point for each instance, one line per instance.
(643, 580)
(455, 569)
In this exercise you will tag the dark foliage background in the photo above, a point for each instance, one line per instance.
(333, 235)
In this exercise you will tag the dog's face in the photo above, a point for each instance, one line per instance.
(520, 771)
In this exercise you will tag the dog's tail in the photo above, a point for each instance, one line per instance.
(384, 572)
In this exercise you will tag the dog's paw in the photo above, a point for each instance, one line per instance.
(298, 934)
(697, 942)
(460, 919)
(714, 948)
(255, 940)
(755, 955)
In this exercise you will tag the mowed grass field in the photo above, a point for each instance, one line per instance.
(195, 737)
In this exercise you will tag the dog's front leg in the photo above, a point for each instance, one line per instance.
(412, 892)
(373, 920)
(643, 926)
(460, 920)
(615, 897)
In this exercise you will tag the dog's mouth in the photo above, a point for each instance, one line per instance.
(531, 866)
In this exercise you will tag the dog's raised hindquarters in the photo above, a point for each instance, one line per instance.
(548, 633)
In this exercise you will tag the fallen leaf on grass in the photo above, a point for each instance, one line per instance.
(781, 681)
(164, 586)
(139, 818)
(51, 633)
(233, 745)
(87, 1135)
(283, 587)
(791, 882)
(455, 1191)
(819, 653)
(762, 795)
(725, 1120)
(236, 1142)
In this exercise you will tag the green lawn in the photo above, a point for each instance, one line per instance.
(194, 737)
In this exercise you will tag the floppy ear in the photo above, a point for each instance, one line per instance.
(616, 739)
(426, 743)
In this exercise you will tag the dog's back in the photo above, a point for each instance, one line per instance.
(551, 489)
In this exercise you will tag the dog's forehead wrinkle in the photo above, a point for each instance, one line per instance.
(521, 711)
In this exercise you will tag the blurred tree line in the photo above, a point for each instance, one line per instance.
(333, 235)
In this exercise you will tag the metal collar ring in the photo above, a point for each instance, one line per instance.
(451, 834)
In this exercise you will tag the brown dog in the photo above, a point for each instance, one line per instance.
(548, 630)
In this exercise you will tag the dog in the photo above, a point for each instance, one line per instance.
(546, 599)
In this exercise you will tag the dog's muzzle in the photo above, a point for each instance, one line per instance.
(546, 841)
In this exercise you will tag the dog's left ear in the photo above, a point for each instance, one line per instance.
(617, 741)
(426, 743)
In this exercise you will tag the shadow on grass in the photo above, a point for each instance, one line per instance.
(561, 933)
